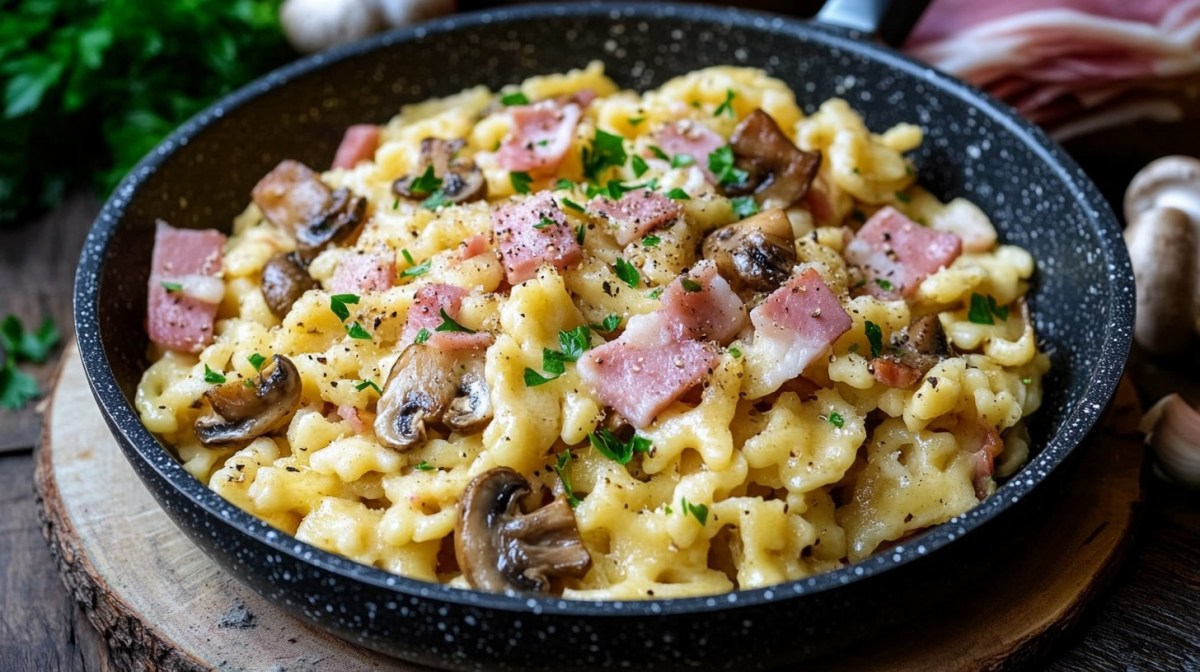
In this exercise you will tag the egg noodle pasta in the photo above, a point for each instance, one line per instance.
(756, 452)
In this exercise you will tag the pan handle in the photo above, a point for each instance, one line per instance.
(888, 20)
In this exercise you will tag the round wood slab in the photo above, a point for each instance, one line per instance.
(163, 605)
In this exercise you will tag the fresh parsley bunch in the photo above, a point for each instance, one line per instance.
(17, 388)
(90, 86)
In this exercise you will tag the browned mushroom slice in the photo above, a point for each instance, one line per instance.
(503, 550)
(461, 179)
(756, 254)
(333, 224)
(913, 352)
(242, 413)
(428, 385)
(291, 195)
(779, 172)
(284, 280)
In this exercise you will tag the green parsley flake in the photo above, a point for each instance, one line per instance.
(256, 360)
(368, 383)
(580, 233)
(639, 165)
(396, 203)
(836, 420)
(634, 121)
(607, 325)
(612, 447)
(573, 205)
(211, 376)
(424, 466)
(560, 468)
(726, 106)
(651, 241)
(903, 197)
(337, 303)
(627, 272)
(722, 164)
(356, 331)
(172, 286)
(448, 324)
(520, 182)
(414, 271)
(407, 257)
(607, 151)
(436, 200)
(697, 511)
(744, 206)
(875, 338)
(983, 307)
(678, 194)
(735, 351)
(1027, 381)
(544, 222)
(885, 285)
(518, 98)
(682, 160)
(657, 151)
(422, 336)
(656, 293)
(533, 378)
(690, 286)
(563, 183)
(427, 183)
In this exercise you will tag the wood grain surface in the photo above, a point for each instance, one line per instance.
(163, 605)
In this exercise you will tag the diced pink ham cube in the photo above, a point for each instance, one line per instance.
(359, 273)
(896, 254)
(185, 289)
(646, 369)
(636, 214)
(693, 139)
(796, 325)
(425, 313)
(473, 247)
(358, 145)
(704, 306)
(540, 137)
(532, 233)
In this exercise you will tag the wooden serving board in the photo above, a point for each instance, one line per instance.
(161, 604)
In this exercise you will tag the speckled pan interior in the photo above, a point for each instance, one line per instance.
(201, 176)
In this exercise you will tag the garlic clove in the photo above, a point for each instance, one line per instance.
(1172, 429)
(315, 25)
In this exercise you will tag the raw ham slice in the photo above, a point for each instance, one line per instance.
(636, 214)
(693, 139)
(796, 325)
(291, 195)
(541, 135)
(704, 306)
(358, 145)
(896, 254)
(986, 445)
(426, 313)
(533, 233)
(353, 417)
(182, 318)
(646, 369)
(361, 273)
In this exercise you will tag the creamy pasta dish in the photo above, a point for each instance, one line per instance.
(574, 339)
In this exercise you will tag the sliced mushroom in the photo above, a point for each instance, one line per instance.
(462, 181)
(779, 172)
(428, 385)
(756, 254)
(914, 351)
(335, 223)
(295, 199)
(242, 413)
(501, 549)
(284, 280)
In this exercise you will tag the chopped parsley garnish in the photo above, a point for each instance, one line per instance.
(885, 285)
(735, 351)
(607, 151)
(337, 303)
(423, 466)
(634, 121)
(511, 99)
(875, 338)
(256, 360)
(615, 449)
(726, 106)
(436, 200)
(651, 241)
(172, 286)
(448, 324)
(520, 182)
(627, 272)
(697, 511)
(983, 308)
(678, 194)
(211, 376)
(573, 205)
(427, 183)
(544, 222)
(420, 269)
(657, 151)
(690, 286)
(396, 203)
(682, 160)
(744, 206)
(639, 165)
(563, 183)
(580, 232)
(368, 383)
(1027, 381)
(422, 336)
(607, 325)
(836, 420)
(356, 331)
(903, 197)
(407, 257)
(248, 383)
(656, 293)
(721, 164)
(573, 343)
(614, 189)
(560, 467)
(533, 378)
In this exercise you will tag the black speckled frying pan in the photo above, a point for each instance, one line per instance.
(201, 177)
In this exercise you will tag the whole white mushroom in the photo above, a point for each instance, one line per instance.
(315, 25)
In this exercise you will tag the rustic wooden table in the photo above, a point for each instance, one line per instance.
(1149, 620)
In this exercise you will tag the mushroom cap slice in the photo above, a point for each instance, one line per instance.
(334, 223)
(284, 280)
(501, 549)
(756, 254)
(429, 385)
(462, 181)
(242, 413)
(779, 172)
